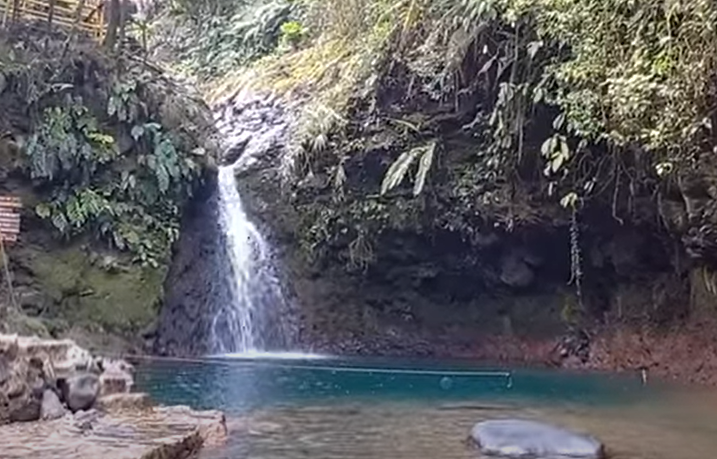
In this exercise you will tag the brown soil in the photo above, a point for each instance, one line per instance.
(686, 354)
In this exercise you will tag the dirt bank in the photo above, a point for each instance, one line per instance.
(687, 353)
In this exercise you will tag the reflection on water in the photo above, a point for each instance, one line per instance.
(287, 410)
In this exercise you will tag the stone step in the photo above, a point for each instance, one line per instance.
(152, 433)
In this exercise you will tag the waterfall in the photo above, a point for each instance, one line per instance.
(251, 322)
(246, 250)
(248, 323)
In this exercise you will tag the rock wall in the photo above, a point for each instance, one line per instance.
(195, 282)
(86, 408)
(438, 292)
(79, 289)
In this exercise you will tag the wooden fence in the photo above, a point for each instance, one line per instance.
(63, 13)
(9, 218)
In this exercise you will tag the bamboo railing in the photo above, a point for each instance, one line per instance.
(63, 13)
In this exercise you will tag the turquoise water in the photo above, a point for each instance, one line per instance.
(397, 409)
(237, 386)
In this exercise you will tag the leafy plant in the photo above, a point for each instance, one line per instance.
(213, 38)
(292, 32)
(130, 201)
(399, 169)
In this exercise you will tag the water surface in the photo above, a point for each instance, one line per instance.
(330, 409)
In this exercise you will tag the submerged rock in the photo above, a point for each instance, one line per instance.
(519, 439)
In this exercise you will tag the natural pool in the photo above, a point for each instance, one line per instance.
(343, 408)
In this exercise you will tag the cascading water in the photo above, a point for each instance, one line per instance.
(245, 247)
(252, 322)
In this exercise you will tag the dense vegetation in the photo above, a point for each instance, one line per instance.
(468, 117)
(476, 116)
(105, 151)
(484, 107)
(114, 148)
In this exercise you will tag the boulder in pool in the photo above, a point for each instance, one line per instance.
(514, 438)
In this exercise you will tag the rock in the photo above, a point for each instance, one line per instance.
(27, 410)
(110, 365)
(21, 386)
(81, 360)
(116, 377)
(150, 434)
(521, 439)
(51, 406)
(85, 420)
(4, 370)
(80, 392)
(124, 402)
(211, 425)
(515, 272)
(115, 382)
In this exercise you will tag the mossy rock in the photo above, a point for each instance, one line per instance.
(104, 291)
(21, 324)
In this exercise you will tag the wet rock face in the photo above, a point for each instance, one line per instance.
(251, 128)
(425, 290)
(195, 280)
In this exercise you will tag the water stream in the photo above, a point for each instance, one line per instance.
(253, 321)
(246, 250)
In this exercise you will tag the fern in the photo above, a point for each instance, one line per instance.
(399, 169)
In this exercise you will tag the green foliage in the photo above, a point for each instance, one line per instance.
(208, 39)
(639, 72)
(398, 170)
(68, 143)
(292, 33)
(131, 200)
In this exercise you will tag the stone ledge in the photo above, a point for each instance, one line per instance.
(120, 425)
(154, 433)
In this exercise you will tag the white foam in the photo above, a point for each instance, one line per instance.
(260, 355)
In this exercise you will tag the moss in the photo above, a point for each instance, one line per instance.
(99, 290)
(23, 325)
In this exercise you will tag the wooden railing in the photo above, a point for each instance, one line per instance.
(87, 15)
(9, 218)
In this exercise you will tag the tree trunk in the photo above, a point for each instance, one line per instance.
(113, 24)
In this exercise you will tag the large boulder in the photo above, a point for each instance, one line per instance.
(515, 438)
(80, 391)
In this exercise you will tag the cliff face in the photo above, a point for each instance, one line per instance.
(196, 281)
(104, 153)
(427, 290)
(433, 290)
